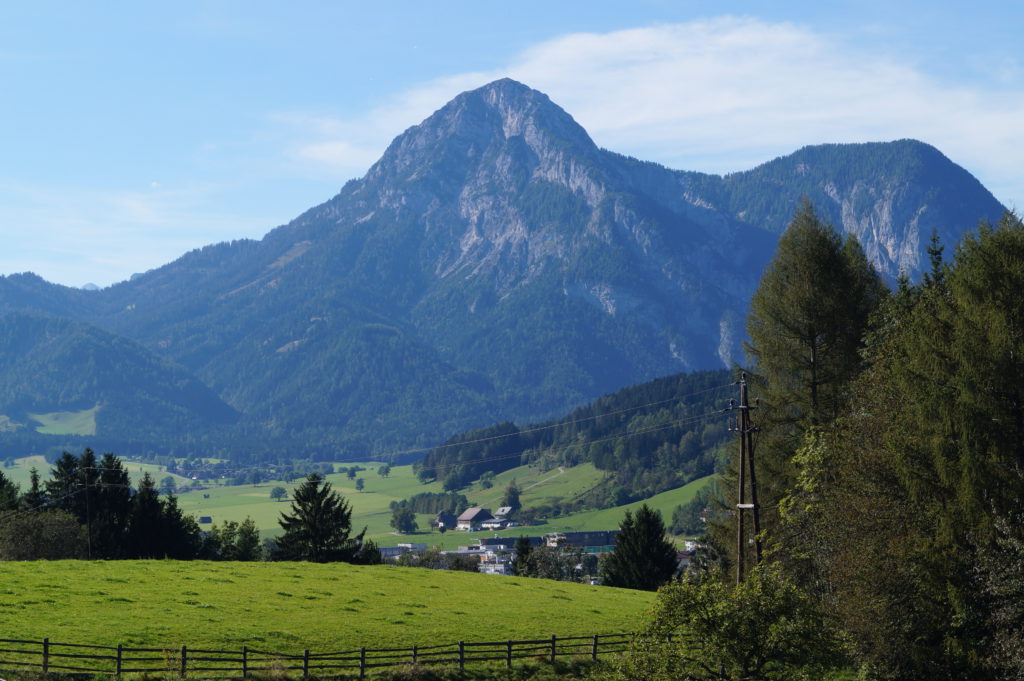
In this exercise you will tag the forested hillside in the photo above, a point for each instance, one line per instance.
(646, 438)
(69, 378)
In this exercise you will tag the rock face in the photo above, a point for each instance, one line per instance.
(494, 264)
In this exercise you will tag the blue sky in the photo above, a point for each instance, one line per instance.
(134, 132)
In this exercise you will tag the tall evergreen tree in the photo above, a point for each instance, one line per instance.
(34, 498)
(145, 523)
(808, 318)
(8, 494)
(643, 558)
(111, 503)
(808, 322)
(318, 527)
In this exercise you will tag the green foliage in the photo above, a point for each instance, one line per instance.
(895, 507)
(1001, 578)
(232, 541)
(647, 438)
(404, 520)
(561, 563)
(318, 527)
(807, 320)
(41, 535)
(8, 494)
(511, 497)
(278, 493)
(691, 518)
(764, 629)
(434, 502)
(643, 558)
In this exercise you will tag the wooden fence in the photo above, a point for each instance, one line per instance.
(66, 658)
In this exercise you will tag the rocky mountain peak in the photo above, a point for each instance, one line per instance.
(500, 124)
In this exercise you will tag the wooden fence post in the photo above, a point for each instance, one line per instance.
(552, 648)
(305, 664)
(46, 655)
(462, 655)
(362, 662)
(184, 660)
(415, 654)
(593, 651)
(245, 662)
(508, 653)
(120, 648)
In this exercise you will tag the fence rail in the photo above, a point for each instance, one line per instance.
(51, 657)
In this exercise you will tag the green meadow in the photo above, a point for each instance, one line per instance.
(293, 606)
(371, 506)
(67, 422)
(21, 472)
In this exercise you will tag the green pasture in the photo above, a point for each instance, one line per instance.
(21, 472)
(67, 422)
(289, 607)
(371, 507)
(606, 519)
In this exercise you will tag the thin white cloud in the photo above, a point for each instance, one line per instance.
(78, 236)
(722, 95)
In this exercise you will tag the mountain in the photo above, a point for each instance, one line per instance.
(496, 264)
(70, 378)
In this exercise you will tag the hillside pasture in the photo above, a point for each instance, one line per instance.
(289, 607)
(81, 422)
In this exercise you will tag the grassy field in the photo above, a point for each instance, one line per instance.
(292, 606)
(20, 473)
(607, 519)
(371, 507)
(67, 422)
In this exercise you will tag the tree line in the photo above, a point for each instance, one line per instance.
(890, 470)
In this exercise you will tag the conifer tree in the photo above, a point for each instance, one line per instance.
(317, 529)
(643, 558)
(8, 494)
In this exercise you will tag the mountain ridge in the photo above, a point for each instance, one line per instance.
(496, 264)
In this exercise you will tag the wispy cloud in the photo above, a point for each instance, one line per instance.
(77, 236)
(721, 95)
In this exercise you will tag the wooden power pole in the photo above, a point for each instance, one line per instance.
(746, 430)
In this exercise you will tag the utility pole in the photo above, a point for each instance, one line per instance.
(746, 430)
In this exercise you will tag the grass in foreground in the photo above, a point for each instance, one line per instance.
(293, 606)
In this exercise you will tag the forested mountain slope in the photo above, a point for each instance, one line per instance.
(496, 264)
(647, 438)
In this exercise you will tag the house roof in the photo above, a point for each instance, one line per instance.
(475, 514)
(504, 510)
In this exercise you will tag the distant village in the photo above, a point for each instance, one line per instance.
(496, 554)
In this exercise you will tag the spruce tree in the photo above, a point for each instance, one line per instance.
(145, 522)
(317, 529)
(643, 558)
(8, 494)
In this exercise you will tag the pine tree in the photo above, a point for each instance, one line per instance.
(807, 324)
(8, 494)
(111, 504)
(808, 318)
(643, 558)
(317, 529)
(34, 498)
(145, 522)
